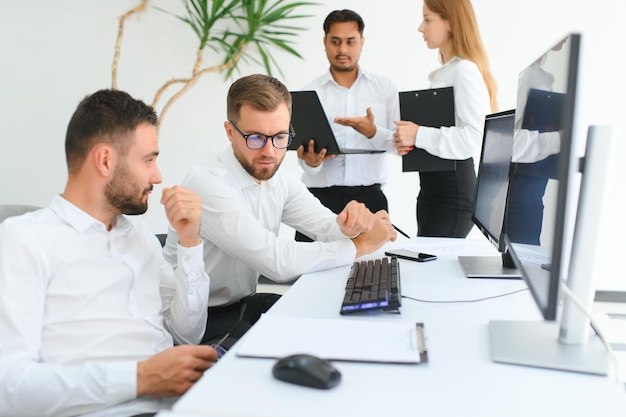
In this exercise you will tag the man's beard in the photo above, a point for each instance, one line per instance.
(262, 174)
(121, 195)
(348, 68)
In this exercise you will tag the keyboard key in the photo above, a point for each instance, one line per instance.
(373, 285)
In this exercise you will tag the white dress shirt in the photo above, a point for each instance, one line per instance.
(369, 90)
(240, 225)
(471, 105)
(80, 306)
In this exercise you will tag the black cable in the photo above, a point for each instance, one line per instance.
(464, 301)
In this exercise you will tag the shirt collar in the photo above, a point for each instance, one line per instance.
(82, 221)
(327, 77)
(451, 61)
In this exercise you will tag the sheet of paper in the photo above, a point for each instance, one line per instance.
(339, 339)
(453, 247)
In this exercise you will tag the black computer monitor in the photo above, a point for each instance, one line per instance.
(491, 196)
(541, 206)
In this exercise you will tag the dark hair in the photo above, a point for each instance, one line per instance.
(104, 116)
(260, 91)
(344, 15)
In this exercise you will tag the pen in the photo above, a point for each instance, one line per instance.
(401, 232)
(216, 345)
(218, 348)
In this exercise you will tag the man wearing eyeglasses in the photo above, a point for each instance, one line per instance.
(245, 198)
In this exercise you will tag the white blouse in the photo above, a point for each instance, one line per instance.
(471, 103)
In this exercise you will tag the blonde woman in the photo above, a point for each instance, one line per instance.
(445, 200)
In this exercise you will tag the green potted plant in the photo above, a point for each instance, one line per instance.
(234, 30)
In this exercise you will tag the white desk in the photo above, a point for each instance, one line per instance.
(459, 380)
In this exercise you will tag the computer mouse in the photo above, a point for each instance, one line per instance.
(307, 370)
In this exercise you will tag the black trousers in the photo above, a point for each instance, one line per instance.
(446, 201)
(235, 319)
(336, 198)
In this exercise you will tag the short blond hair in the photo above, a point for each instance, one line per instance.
(260, 91)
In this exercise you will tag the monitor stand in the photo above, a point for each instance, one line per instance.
(536, 344)
(567, 345)
(489, 267)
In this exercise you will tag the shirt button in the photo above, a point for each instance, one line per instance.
(187, 257)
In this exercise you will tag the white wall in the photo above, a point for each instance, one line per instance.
(53, 53)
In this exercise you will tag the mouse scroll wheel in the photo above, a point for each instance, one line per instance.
(291, 364)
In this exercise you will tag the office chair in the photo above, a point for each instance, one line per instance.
(162, 237)
(10, 210)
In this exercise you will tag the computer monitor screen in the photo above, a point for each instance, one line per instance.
(493, 176)
(491, 196)
(540, 210)
(538, 200)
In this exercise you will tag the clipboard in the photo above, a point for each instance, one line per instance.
(310, 122)
(543, 111)
(339, 339)
(433, 108)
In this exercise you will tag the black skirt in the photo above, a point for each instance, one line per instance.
(446, 201)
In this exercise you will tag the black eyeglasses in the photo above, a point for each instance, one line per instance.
(256, 141)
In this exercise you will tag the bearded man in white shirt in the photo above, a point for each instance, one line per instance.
(245, 198)
(361, 108)
(89, 308)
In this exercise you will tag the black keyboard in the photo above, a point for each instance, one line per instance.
(373, 285)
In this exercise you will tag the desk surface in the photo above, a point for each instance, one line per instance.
(459, 379)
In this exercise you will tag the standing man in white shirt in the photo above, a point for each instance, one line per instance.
(361, 108)
(246, 196)
(89, 308)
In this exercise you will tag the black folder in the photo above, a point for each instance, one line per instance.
(433, 108)
(310, 122)
(543, 113)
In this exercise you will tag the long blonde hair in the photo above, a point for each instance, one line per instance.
(465, 40)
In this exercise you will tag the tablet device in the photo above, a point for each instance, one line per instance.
(310, 122)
